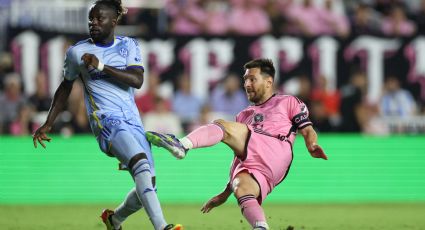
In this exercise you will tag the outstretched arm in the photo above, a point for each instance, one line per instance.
(217, 200)
(310, 138)
(131, 77)
(58, 104)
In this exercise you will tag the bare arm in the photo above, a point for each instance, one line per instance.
(131, 77)
(217, 200)
(310, 138)
(58, 104)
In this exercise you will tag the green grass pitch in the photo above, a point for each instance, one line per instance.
(368, 183)
(227, 217)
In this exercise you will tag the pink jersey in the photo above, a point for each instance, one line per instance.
(280, 116)
(273, 127)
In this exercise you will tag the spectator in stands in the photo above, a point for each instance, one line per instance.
(420, 18)
(328, 99)
(41, 99)
(186, 105)
(148, 20)
(187, 17)
(320, 118)
(22, 124)
(276, 10)
(5, 66)
(352, 102)
(304, 90)
(365, 21)
(74, 118)
(397, 101)
(216, 21)
(228, 97)
(10, 100)
(385, 6)
(206, 116)
(396, 24)
(249, 19)
(334, 23)
(161, 119)
(146, 102)
(304, 19)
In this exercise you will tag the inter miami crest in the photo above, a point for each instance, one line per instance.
(258, 117)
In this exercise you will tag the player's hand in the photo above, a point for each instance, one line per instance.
(40, 135)
(213, 202)
(90, 60)
(317, 152)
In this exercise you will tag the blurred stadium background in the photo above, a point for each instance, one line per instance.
(358, 64)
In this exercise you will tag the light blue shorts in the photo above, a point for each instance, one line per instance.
(123, 140)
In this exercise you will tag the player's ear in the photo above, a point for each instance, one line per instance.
(270, 82)
(114, 21)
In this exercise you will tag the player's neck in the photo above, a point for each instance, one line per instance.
(105, 42)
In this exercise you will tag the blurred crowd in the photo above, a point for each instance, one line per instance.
(291, 17)
(343, 110)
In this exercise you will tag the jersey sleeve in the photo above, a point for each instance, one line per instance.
(70, 66)
(134, 58)
(298, 113)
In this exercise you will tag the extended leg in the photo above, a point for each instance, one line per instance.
(233, 134)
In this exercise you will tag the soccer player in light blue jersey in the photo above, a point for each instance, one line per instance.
(110, 68)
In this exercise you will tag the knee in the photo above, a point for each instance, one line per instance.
(239, 189)
(225, 126)
(138, 164)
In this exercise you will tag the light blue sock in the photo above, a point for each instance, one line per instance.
(146, 192)
(130, 205)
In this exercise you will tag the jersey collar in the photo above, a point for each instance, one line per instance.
(105, 45)
(267, 100)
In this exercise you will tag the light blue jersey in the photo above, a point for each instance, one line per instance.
(114, 117)
(103, 94)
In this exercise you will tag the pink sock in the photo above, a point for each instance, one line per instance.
(251, 209)
(206, 135)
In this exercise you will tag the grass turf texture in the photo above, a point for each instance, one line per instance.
(227, 217)
(368, 183)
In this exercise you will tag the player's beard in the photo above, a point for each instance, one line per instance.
(255, 96)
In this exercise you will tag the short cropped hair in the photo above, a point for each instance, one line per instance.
(265, 66)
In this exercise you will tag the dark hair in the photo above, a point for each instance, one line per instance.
(265, 66)
(115, 5)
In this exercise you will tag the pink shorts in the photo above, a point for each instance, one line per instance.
(268, 160)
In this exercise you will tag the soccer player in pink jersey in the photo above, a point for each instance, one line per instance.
(261, 139)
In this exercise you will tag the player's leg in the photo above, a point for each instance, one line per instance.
(246, 191)
(128, 150)
(141, 172)
(130, 205)
(233, 134)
